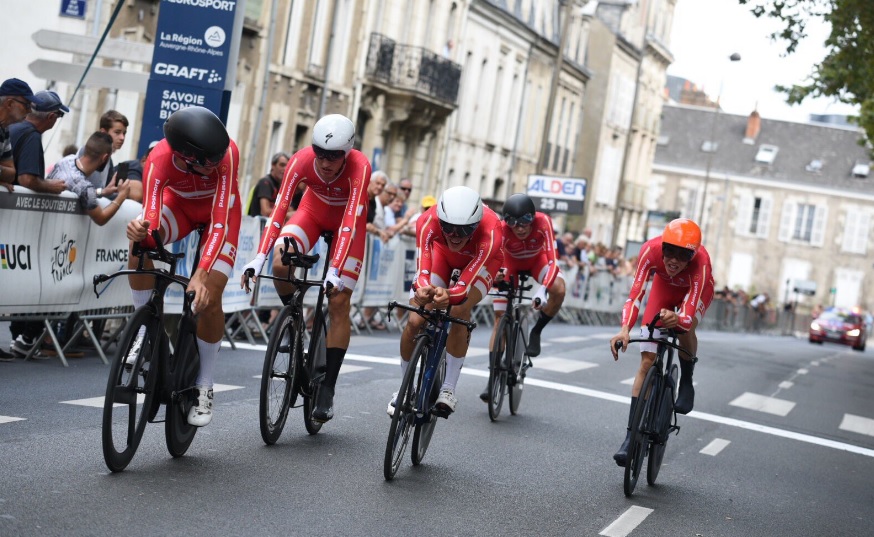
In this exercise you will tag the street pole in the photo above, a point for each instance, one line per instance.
(559, 61)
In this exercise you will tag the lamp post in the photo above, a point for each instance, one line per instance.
(713, 146)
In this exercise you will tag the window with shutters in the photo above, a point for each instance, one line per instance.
(803, 222)
(753, 216)
(856, 228)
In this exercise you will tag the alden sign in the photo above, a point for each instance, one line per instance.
(557, 194)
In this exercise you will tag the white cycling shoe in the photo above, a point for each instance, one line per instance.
(201, 413)
(446, 400)
(390, 410)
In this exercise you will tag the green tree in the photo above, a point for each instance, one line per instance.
(847, 71)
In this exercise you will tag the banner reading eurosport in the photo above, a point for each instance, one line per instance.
(191, 62)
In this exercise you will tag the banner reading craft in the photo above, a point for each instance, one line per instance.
(557, 194)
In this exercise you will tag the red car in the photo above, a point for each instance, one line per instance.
(839, 325)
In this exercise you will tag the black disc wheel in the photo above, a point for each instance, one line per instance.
(425, 430)
(316, 372)
(518, 367)
(184, 365)
(130, 389)
(664, 413)
(279, 378)
(499, 357)
(404, 417)
(640, 421)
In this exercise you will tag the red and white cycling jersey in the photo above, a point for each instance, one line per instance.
(533, 253)
(479, 259)
(178, 200)
(691, 290)
(342, 205)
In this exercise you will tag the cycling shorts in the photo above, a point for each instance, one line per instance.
(671, 297)
(180, 216)
(537, 266)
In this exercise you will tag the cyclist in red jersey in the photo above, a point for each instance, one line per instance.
(458, 233)
(529, 245)
(190, 178)
(682, 281)
(337, 178)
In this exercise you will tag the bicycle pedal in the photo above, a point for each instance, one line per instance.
(440, 412)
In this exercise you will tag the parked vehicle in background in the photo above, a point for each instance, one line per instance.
(840, 325)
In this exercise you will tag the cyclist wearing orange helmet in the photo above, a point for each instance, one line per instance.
(682, 288)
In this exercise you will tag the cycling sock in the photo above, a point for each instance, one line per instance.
(631, 411)
(405, 364)
(686, 369)
(208, 354)
(286, 299)
(542, 321)
(334, 360)
(141, 297)
(453, 370)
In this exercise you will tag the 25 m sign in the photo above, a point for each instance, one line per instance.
(557, 194)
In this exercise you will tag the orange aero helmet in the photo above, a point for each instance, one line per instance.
(684, 233)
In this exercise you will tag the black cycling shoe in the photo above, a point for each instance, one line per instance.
(685, 399)
(621, 456)
(324, 410)
(533, 344)
(484, 397)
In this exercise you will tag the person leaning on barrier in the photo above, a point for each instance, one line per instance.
(375, 212)
(426, 203)
(682, 279)
(191, 180)
(27, 150)
(337, 177)
(74, 171)
(16, 100)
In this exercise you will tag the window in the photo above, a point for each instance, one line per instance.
(803, 222)
(709, 147)
(861, 169)
(753, 216)
(856, 229)
(815, 166)
(766, 154)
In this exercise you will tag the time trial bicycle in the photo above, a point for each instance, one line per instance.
(415, 409)
(508, 358)
(654, 418)
(288, 369)
(146, 372)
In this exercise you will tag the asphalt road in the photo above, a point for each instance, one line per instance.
(781, 443)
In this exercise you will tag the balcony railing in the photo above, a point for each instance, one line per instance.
(413, 68)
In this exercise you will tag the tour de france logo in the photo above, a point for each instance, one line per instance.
(63, 257)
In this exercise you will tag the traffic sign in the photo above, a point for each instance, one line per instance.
(112, 49)
(97, 76)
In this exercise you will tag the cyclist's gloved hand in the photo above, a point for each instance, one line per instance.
(541, 295)
(335, 280)
(255, 266)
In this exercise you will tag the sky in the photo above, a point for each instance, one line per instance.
(706, 32)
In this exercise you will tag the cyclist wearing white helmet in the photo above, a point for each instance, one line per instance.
(458, 233)
(186, 178)
(337, 178)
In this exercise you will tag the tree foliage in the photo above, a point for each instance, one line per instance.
(847, 71)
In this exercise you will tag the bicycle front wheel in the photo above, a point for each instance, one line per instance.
(405, 412)
(130, 389)
(518, 366)
(498, 359)
(663, 413)
(279, 379)
(315, 366)
(640, 428)
(184, 366)
(424, 431)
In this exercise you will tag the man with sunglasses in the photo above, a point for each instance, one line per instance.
(337, 178)
(459, 233)
(190, 178)
(682, 288)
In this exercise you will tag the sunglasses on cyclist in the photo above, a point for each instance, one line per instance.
(328, 154)
(523, 220)
(208, 161)
(453, 230)
(669, 251)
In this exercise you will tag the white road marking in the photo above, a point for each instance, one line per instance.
(714, 447)
(803, 371)
(762, 403)
(575, 339)
(349, 368)
(10, 419)
(786, 384)
(857, 424)
(627, 522)
(97, 402)
(562, 365)
(477, 351)
(629, 381)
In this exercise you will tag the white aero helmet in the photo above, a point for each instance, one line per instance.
(333, 133)
(460, 210)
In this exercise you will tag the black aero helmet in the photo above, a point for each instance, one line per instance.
(518, 209)
(197, 136)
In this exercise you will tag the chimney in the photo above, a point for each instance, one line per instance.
(754, 125)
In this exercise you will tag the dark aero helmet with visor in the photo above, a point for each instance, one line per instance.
(681, 239)
(518, 210)
(197, 136)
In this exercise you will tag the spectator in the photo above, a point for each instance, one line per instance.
(389, 193)
(16, 100)
(427, 203)
(816, 311)
(264, 193)
(27, 151)
(115, 124)
(375, 211)
(74, 171)
(759, 306)
(135, 174)
(395, 207)
(580, 256)
(405, 189)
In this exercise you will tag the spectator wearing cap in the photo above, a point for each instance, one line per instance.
(74, 171)
(427, 203)
(16, 100)
(27, 151)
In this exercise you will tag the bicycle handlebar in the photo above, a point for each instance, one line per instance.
(666, 335)
(433, 316)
